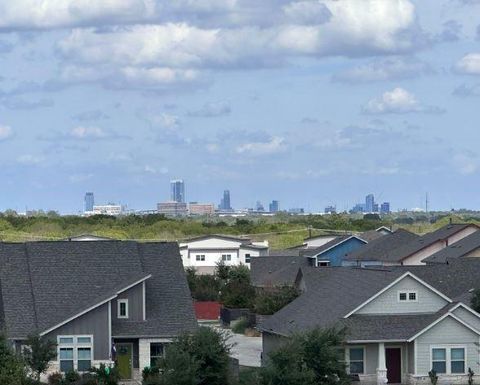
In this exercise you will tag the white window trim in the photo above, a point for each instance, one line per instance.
(327, 261)
(75, 346)
(120, 301)
(407, 292)
(198, 257)
(347, 357)
(448, 358)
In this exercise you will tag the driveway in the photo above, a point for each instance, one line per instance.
(246, 349)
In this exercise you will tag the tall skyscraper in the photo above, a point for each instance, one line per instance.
(369, 203)
(385, 208)
(225, 201)
(274, 206)
(89, 201)
(177, 191)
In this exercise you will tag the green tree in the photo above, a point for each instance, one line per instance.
(38, 354)
(12, 369)
(475, 301)
(311, 358)
(201, 358)
(270, 301)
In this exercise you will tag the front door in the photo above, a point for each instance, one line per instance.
(393, 357)
(124, 360)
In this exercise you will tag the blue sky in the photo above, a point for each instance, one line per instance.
(308, 102)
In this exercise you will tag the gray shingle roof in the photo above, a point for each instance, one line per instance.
(457, 250)
(400, 253)
(332, 293)
(276, 270)
(44, 283)
(380, 248)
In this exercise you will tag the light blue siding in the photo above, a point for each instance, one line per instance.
(387, 303)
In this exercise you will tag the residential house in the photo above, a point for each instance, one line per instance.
(333, 252)
(277, 270)
(99, 301)
(468, 247)
(415, 251)
(401, 322)
(205, 252)
(377, 251)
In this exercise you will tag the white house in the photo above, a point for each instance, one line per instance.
(203, 253)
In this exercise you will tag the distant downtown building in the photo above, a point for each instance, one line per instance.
(89, 201)
(172, 209)
(330, 210)
(370, 206)
(225, 201)
(274, 206)
(369, 203)
(195, 208)
(109, 209)
(177, 190)
(385, 208)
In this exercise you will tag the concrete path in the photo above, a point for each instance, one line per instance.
(247, 349)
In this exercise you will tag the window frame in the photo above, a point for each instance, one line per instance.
(448, 358)
(119, 303)
(157, 357)
(75, 346)
(349, 361)
(248, 258)
(324, 263)
(407, 292)
(226, 257)
(200, 257)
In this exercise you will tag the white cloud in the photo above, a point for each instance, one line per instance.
(81, 132)
(47, 14)
(385, 69)
(274, 145)
(29, 159)
(165, 120)
(398, 101)
(212, 109)
(469, 64)
(6, 132)
(307, 12)
(79, 178)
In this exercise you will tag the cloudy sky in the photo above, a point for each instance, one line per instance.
(311, 102)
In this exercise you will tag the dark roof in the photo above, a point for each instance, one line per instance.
(293, 252)
(370, 235)
(379, 249)
(276, 270)
(331, 293)
(400, 253)
(312, 252)
(457, 250)
(45, 283)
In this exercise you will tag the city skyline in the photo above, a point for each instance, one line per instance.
(307, 102)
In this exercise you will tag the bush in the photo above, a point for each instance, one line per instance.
(475, 301)
(240, 325)
(55, 379)
(71, 377)
(269, 302)
(12, 369)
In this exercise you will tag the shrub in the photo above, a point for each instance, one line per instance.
(55, 379)
(471, 373)
(12, 370)
(72, 376)
(240, 325)
(38, 354)
(475, 301)
(433, 377)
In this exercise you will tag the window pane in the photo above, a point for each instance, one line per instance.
(65, 340)
(156, 349)
(403, 296)
(84, 353)
(412, 296)
(84, 365)
(84, 340)
(66, 354)
(356, 354)
(458, 366)
(356, 367)
(440, 367)
(439, 354)
(458, 354)
(66, 366)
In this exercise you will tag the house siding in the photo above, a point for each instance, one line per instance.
(447, 332)
(135, 304)
(93, 323)
(336, 254)
(467, 317)
(387, 302)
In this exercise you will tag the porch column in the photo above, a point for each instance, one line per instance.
(382, 366)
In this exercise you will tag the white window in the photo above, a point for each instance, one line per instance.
(357, 360)
(323, 263)
(226, 257)
(449, 360)
(75, 353)
(156, 353)
(407, 296)
(122, 308)
(247, 258)
(200, 257)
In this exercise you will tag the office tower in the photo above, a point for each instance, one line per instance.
(89, 201)
(177, 191)
(259, 206)
(274, 207)
(330, 210)
(173, 209)
(385, 208)
(225, 201)
(369, 203)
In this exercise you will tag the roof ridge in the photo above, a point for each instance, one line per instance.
(27, 258)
